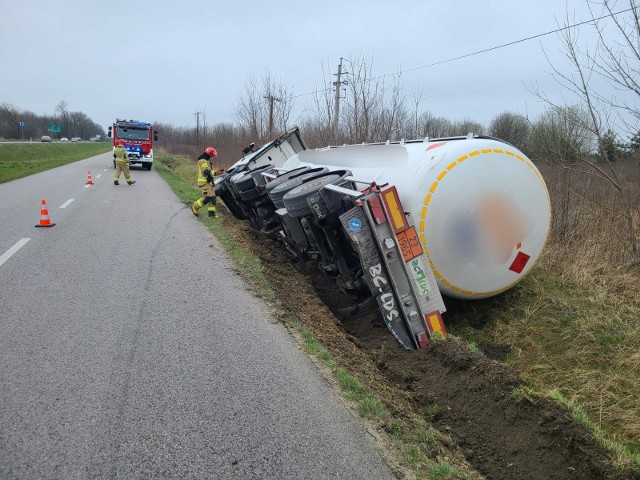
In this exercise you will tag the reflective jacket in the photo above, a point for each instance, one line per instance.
(121, 155)
(202, 166)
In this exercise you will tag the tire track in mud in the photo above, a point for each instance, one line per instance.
(468, 393)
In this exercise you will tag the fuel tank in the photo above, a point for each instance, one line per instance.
(480, 206)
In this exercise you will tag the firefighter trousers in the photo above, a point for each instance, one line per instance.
(208, 198)
(122, 168)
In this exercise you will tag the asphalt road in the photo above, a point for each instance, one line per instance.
(129, 348)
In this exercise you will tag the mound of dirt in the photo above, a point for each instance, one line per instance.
(468, 394)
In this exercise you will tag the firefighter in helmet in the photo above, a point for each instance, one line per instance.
(122, 164)
(205, 183)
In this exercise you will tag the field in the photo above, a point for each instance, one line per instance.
(539, 382)
(18, 160)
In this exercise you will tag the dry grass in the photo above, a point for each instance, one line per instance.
(573, 324)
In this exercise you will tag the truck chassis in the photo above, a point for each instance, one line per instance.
(357, 232)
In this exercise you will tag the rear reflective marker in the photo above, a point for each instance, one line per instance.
(519, 262)
(423, 339)
(376, 210)
(435, 324)
(392, 204)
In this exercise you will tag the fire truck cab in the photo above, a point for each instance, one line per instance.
(138, 137)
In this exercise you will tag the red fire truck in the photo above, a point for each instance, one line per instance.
(138, 137)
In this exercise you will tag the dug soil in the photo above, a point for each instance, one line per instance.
(466, 395)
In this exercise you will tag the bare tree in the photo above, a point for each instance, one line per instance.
(560, 136)
(62, 109)
(318, 126)
(616, 60)
(372, 112)
(433, 127)
(513, 128)
(464, 127)
(9, 126)
(249, 110)
(264, 107)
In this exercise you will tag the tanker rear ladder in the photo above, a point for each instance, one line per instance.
(395, 266)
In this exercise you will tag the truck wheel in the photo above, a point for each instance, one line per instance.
(295, 201)
(250, 194)
(148, 166)
(244, 181)
(279, 191)
(231, 205)
(285, 176)
(256, 174)
(231, 184)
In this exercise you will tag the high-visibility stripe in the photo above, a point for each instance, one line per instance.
(392, 202)
(435, 324)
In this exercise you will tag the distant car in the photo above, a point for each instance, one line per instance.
(64, 139)
(46, 138)
(75, 139)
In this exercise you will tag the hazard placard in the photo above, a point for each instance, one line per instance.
(409, 244)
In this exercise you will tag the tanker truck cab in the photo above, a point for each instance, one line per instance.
(138, 140)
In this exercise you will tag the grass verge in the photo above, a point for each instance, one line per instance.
(22, 159)
(581, 337)
(415, 443)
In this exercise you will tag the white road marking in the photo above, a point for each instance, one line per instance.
(105, 169)
(87, 186)
(66, 204)
(98, 176)
(7, 255)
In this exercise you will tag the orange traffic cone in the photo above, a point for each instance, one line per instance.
(44, 216)
(89, 180)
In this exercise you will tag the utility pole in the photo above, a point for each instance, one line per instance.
(271, 99)
(338, 84)
(197, 114)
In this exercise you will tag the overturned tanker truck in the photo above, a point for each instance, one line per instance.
(398, 224)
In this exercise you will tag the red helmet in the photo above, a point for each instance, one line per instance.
(211, 152)
(120, 143)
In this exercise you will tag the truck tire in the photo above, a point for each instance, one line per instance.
(247, 180)
(243, 182)
(285, 176)
(279, 191)
(256, 174)
(148, 166)
(250, 194)
(231, 205)
(295, 200)
(232, 183)
(221, 187)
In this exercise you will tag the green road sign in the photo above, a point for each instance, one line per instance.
(53, 128)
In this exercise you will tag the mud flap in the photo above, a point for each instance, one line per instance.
(357, 228)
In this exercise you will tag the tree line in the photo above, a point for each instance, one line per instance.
(588, 148)
(72, 124)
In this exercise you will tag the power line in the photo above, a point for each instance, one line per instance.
(533, 37)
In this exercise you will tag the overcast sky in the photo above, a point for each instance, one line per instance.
(164, 60)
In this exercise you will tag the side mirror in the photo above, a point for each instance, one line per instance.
(155, 136)
(109, 133)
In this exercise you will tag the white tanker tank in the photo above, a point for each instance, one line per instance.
(480, 206)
